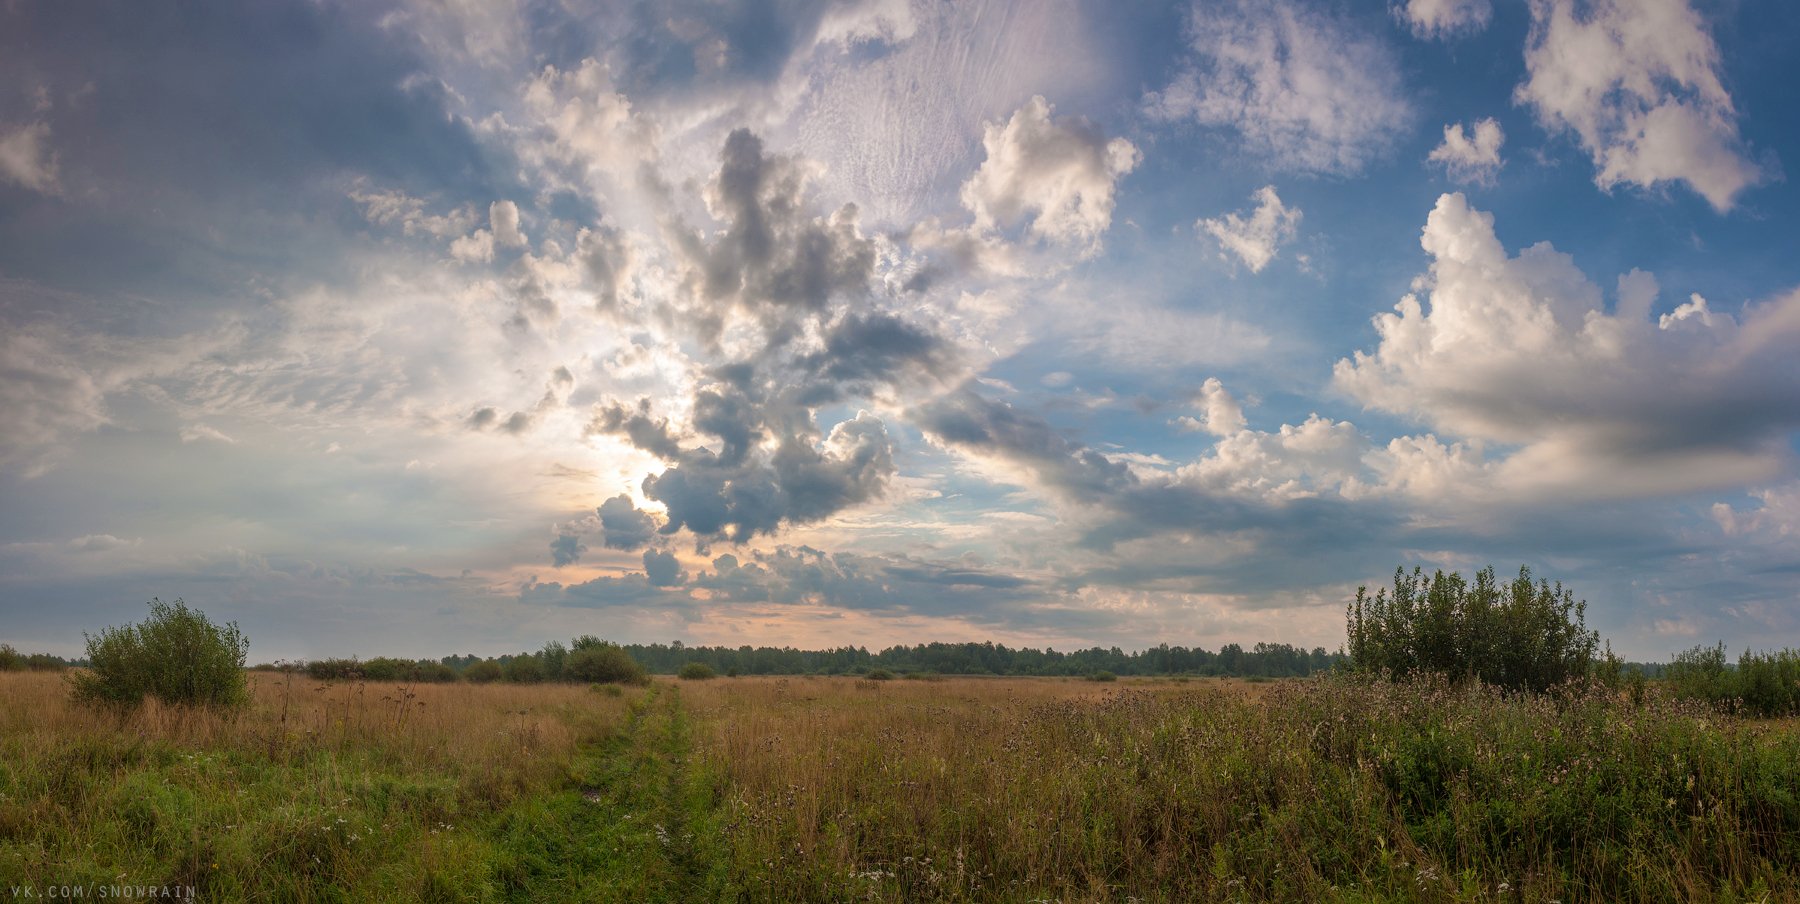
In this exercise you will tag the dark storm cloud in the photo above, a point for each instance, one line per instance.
(737, 495)
(798, 275)
(566, 549)
(662, 569)
(966, 420)
(773, 254)
(625, 526)
(599, 593)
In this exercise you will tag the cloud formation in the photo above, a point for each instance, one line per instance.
(1638, 83)
(1520, 349)
(26, 158)
(1255, 239)
(1444, 19)
(1306, 90)
(1056, 176)
(1473, 155)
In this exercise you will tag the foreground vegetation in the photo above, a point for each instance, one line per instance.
(310, 792)
(1472, 748)
(837, 789)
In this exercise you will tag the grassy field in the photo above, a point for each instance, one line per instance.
(840, 789)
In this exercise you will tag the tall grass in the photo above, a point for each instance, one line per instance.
(1317, 790)
(315, 791)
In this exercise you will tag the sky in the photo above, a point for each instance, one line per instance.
(414, 327)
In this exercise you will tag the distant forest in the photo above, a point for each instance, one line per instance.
(1269, 660)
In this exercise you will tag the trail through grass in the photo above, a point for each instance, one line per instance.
(636, 823)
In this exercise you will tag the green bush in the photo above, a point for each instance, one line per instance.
(604, 663)
(697, 671)
(383, 668)
(1761, 684)
(176, 656)
(1519, 635)
(483, 672)
(524, 670)
(879, 675)
(1102, 675)
(10, 659)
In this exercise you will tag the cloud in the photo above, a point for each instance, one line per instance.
(390, 207)
(474, 248)
(1220, 413)
(662, 569)
(503, 218)
(1444, 19)
(590, 125)
(566, 549)
(1057, 176)
(742, 491)
(1305, 90)
(1519, 349)
(197, 432)
(623, 525)
(26, 158)
(1472, 156)
(1638, 83)
(1255, 239)
(46, 397)
(773, 256)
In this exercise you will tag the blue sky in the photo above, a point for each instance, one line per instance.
(408, 328)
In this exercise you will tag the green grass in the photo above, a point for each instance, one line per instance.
(955, 790)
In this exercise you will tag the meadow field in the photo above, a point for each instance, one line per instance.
(847, 789)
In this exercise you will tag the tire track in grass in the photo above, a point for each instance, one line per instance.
(633, 826)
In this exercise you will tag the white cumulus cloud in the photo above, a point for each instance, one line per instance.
(1255, 239)
(1444, 18)
(1058, 174)
(1307, 91)
(1473, 155)
(1520, 349)
(1638, 83)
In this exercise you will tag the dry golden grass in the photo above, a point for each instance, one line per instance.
(974, 789)
(498, 734)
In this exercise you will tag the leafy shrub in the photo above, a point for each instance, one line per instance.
(10, 659)
(1102, 675)
(524, 670)
(483, 672)
(176, 655)
(1518, 635)
(604, 663)
(383, 668)
(554, 657)
(879, 675)
(697, 671)
(1762, 684)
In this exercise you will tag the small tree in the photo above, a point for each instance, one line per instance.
(177, 656)
(697, 671)
(483, 672)
(1518, 635)
(604, 663)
